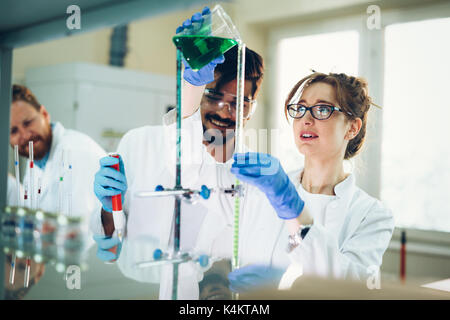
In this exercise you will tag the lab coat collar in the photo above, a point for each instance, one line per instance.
(337, 211)
(58, 131)
(346, 187)
(343, 189)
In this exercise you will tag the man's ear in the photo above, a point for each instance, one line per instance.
(355, 127)
(45, 113)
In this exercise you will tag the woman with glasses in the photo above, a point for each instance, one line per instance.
(333, 228)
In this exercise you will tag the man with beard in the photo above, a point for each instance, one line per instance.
(148, 160)
(30, 121)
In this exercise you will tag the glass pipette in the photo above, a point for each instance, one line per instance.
(17, 171)
(31, 158)
(60, 186)
(39, 192)
(12, 270)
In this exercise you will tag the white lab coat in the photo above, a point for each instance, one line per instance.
(349, 241)
(83, 154)
(206, 227)
(11, 196)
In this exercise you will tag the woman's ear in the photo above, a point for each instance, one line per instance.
(355, 126)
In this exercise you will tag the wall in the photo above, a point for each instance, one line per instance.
(90, 47)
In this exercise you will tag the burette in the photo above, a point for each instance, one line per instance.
(177, 212)
(238, 146)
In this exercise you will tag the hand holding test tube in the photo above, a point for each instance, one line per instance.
(118, 215)
(108, 181)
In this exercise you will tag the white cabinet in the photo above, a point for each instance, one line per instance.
(101, 101)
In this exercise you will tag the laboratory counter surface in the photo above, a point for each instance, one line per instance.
(51, 257)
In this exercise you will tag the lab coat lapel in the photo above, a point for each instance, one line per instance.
(275, 228)
(337, 217)
(260, 229)
(52, 169)
(192, 149)
(57, 133)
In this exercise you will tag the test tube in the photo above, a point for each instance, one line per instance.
(403, 257)
(39, 192)
(118, 215)
(60, 186)
(16, 166)
(69, 194)
(12, 270)
(68, 182)
(26, 278)
(31, 158)
(25, 195)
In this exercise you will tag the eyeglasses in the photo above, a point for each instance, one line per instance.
(214, 100)
(318, 111)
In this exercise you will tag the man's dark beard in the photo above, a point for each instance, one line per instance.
(216, 136)
(38, 154)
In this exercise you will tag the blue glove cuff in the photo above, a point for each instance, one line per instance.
(107, 209)
(287, 202)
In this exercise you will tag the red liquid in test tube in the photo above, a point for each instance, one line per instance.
(117, 199)
(118, 215)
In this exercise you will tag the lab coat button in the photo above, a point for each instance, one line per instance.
(334, 205)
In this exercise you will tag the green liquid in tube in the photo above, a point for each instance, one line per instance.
(201, 50)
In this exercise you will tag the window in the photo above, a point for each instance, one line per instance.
(325, 52)
(415, 181)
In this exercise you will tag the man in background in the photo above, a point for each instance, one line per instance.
(65, 160)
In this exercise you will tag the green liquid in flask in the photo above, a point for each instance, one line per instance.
(201, 50)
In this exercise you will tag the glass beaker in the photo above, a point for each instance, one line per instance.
(203, 42)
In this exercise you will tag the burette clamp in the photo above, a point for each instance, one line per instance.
(162, 258)
(189, 195)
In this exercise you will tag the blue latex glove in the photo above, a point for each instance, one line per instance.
(109, 182)
(206, 74)
(266, 173)
(105, 243)
(254, 277)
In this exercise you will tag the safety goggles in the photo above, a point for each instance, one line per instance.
(318, 111)
(215, 100)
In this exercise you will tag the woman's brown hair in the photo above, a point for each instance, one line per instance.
(352, 95)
